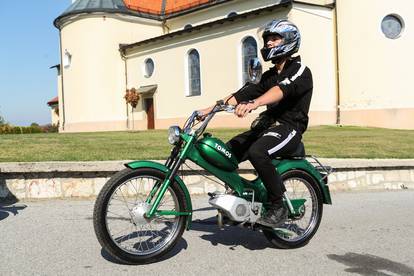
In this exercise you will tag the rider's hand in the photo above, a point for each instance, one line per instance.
(243, 108)
(202, 113)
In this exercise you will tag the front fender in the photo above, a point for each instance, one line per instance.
(154, 165)
(302, 164)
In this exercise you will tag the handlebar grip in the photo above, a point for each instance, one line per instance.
(198, 115)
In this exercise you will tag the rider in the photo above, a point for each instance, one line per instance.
(286, 89)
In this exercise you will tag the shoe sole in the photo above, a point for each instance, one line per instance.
(276, 225)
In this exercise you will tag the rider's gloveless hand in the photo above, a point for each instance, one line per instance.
(244, 108)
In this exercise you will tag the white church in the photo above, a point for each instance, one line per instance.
(181, 55)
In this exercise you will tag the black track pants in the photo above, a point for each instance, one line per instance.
(260, 148)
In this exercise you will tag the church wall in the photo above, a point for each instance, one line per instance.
(375, 71)
(220, 57)
(94, 84)
(316, 25)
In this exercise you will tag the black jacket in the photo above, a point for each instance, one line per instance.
(296, 83)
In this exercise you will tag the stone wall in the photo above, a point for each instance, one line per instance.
(72, 180)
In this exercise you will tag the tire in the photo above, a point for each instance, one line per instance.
(297, 232)
(114, 210)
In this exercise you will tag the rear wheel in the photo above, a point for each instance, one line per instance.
(119, 222)
(297, 231)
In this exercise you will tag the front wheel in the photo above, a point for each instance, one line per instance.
(297, 231)
(119, 221)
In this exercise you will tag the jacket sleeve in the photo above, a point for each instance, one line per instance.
(249, 91)
(298, 84)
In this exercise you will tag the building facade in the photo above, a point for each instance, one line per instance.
(184, 55)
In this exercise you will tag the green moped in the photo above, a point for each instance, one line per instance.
(143, 210)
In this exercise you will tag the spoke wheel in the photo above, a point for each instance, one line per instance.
(119, 217)
(298, 230)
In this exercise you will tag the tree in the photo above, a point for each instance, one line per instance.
(2, 121)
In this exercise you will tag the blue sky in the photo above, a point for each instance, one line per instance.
(29, 45)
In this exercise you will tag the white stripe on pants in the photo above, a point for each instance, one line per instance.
(283, 143)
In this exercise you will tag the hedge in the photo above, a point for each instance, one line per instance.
(8, 129)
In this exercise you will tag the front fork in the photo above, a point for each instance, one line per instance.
(161, 188)
(169, 163)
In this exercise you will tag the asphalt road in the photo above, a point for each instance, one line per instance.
(369, 233)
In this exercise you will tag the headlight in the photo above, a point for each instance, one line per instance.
(174, 135)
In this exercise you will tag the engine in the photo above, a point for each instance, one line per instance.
(236, 208)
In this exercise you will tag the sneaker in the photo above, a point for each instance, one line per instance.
(275, 216)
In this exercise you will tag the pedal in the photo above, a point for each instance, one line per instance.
(214, 194)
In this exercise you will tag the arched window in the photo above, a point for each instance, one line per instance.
(249, 51)
(148, 67)
(194, 81)
(67, 59)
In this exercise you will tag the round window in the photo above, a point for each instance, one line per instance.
(392, 26)
(149, 67)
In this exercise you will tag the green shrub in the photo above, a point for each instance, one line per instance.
(7, 129)
(17, 130)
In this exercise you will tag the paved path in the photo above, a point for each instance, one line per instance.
(361, 234)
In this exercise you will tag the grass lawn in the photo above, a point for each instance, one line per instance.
(323, 141)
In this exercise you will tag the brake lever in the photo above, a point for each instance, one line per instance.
(199, 116)
(229, 108)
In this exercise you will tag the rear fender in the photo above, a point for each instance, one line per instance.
(302, 164)
(154, 165)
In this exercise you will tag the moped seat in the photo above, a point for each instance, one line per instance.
(298, 153)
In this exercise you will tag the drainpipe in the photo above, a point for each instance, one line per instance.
(165, 28)
(338, 94)
(62, 82)
(124, 58)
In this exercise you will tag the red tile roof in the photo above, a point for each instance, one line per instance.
(171, 6)
(53, 101)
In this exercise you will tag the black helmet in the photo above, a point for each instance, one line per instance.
(290, 39)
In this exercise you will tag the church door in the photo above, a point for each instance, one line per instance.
(149, 108)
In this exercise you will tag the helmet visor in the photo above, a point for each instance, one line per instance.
(267, 31)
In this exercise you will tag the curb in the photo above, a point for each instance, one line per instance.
(113, 166)
(35, 180)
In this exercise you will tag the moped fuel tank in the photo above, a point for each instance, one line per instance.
(216, 153)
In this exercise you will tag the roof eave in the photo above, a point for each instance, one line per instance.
(57, 22)
(283, 3)
(329, 4)
(159, 17)
(194, 9)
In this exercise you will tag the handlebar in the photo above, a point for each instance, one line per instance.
(219, 107)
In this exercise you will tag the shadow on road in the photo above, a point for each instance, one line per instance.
(182, 244)
(7, 204)
(204, 209)
(231, 236)
(371, 265)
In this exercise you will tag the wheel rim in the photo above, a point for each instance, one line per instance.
(297, 229)
(125, 223)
